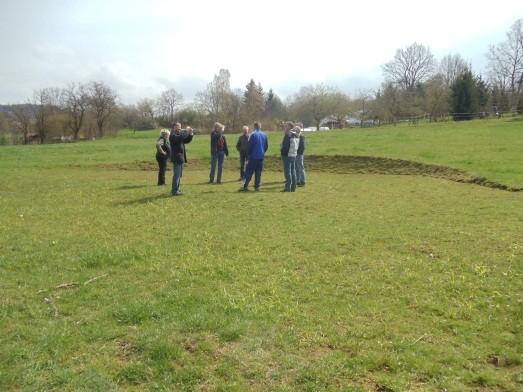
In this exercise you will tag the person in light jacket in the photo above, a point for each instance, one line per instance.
(289, 151)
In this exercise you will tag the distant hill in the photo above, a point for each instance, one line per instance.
(8, 108)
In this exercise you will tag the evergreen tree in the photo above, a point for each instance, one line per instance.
(483, 93)
(253, 100)
(274, 107)
(465, 96)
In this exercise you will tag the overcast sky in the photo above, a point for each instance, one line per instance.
(141, 48)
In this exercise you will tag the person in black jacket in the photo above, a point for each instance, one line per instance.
(178, 140)
(219, 151)
(163, 152)
(243, 148)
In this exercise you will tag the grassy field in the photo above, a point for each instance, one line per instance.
(357, 282)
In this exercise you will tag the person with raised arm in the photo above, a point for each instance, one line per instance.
(178, 139)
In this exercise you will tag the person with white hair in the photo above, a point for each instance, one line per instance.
(163, 152)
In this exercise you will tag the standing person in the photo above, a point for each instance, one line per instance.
(163, 152)
(219, 151)
(289, 150)
(300, 167)
(258, 145)
(243, 148)
(178, 140)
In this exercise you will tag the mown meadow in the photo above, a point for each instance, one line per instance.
(377, 276)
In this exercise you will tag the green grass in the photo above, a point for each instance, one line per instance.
(484, 148)
(488, 148)
(357, 282)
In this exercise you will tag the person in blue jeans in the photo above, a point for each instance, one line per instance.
(289, 150)
(219, 151)
(258, 145)
(300, 165)
(178, 140)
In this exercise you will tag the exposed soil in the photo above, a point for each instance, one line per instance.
(348, 164)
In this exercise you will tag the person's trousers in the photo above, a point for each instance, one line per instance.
(217, 158)
(177, 176)
(243, 159)
(289, 169)
(254, 166)
(300, 170)
(162, 166)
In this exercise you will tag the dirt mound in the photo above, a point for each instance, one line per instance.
(348, 164)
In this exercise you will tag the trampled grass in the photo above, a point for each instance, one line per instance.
(359, 282)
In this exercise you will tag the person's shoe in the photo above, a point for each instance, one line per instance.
(257, 189)
(243, 189)
(219, 182)
(179, 193)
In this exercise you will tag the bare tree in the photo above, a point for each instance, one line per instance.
(167, 104)
(75, 101)
(215, 99)
(45, 104)
(315, 102)
(437, 96)
(451, 67)
(390, 102)
(410, 66)
(362, 100)
(145, 111)
(341, 106)
(130, 117)
(21, 118)
(102, 101)
(506, 63)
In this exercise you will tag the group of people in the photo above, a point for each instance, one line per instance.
(252, 148)
(171, 146)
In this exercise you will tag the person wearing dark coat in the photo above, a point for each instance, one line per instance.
(163, 152)
(219, 151)
(178, 140)
(243, 148)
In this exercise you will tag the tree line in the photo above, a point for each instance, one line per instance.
(415, 85)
